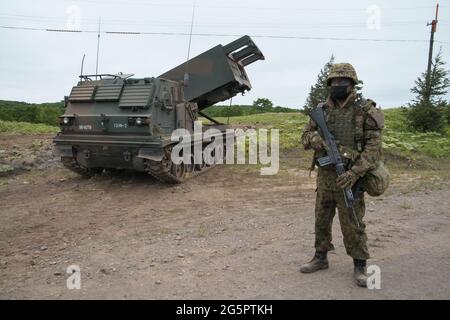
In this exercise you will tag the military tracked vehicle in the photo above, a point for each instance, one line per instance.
(120, 122)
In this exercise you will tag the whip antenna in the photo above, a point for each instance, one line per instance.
(98, 47)
(186, 74)
(82, 63)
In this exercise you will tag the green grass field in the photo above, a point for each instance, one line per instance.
(289, 124)
(396, 139)
(14, 127)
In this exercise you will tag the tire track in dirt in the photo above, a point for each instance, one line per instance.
(227, 234)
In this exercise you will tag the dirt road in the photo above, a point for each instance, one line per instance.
(227, 234)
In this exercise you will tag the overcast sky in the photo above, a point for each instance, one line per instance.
(40, 66)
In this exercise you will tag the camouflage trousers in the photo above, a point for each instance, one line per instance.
(355, 239)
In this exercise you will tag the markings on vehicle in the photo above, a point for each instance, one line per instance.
(85, 127)
(120, 125)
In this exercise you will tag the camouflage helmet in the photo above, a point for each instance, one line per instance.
(342, 70)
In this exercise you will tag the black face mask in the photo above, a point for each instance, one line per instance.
(339, 92)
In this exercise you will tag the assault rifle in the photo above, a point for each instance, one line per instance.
(333, 157)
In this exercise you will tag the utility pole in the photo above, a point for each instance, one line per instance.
(433, 25)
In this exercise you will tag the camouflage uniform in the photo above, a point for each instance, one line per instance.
(357, 128)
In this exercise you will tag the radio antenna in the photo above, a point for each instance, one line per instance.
(186, 74)
(82, 64)
(98, 47)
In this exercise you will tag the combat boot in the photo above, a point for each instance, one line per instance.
(319, 262)
(359, 274)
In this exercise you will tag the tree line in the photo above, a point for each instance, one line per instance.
(427, 112)
(260, 105)
(46, 113)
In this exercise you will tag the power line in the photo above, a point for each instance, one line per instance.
(219, 24)
(220, 35)
(180, 5)
(251, 26)
(150, 4)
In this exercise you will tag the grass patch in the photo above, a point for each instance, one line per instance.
(14, 127)
(397, 139)
(289, 124)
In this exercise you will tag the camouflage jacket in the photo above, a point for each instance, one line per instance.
(363, 150)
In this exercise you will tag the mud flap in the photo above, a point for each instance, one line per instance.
(151, 154)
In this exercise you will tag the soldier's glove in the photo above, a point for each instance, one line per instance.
(347, 180)
(316, 141)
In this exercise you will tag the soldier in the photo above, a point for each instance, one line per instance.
(356, 125)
